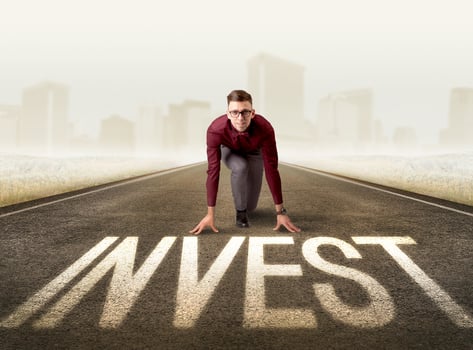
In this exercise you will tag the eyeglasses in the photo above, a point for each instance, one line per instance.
(244, 113)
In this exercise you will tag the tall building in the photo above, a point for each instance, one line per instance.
(117, 136)
(460, 119)
(277, 88)
(379, 138)
(150, 131)
(43, 122)
(344, 120)
(187, 125)
(9, 117)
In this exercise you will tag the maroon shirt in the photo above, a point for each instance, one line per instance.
(259, 135)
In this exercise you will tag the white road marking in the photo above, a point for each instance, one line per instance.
(355, 182)
(143, 178)
(192, 294)
(256, 314)
(41, 298)
(380, 310)
(124, 289)
(454, 311)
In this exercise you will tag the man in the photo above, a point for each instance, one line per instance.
(246, 143)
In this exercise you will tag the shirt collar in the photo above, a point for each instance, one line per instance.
(235, 132)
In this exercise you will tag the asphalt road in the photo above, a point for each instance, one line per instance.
(114, 267)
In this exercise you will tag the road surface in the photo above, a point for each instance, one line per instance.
(114, 267)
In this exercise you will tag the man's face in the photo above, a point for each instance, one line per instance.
(240, 114)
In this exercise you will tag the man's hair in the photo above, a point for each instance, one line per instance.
(239, 96)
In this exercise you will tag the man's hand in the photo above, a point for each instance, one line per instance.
(208, 220)
(286, 222)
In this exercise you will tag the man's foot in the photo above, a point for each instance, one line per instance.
(242, 218)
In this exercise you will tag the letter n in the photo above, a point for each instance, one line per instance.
(125, 286)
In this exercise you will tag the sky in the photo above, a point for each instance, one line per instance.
(117, 55)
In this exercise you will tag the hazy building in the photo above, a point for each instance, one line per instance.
(187, 125)
(43, 124)
(117, 136)
(150, 131)
(9, 117)
(277, 88)
(379, 137)
(344, 121)
(460, 120)
(405, 139)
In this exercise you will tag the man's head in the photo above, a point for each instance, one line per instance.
(240, 109)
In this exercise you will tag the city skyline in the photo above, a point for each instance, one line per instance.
(344, 120)
(93, 128)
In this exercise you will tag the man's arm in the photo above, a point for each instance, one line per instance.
(271, 162)
(213, 174)
(214, 154)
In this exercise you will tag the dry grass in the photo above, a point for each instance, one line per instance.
(25, 178)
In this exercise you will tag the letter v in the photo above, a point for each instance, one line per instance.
(192, 295)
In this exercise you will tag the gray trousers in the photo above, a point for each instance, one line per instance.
(246, 177)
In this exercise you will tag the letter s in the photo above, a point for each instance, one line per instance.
(378, 313)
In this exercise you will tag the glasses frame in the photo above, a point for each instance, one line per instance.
(245, 113)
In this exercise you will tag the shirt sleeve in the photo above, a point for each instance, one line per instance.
(213, 167)
(270, 161)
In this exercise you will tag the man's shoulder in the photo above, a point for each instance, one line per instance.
(262, 122)
(219, 123)
(259, 118)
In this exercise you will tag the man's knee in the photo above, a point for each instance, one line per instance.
(239, 167)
